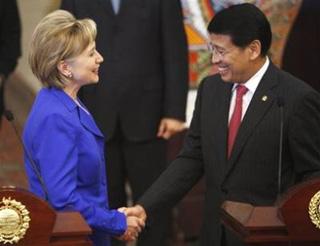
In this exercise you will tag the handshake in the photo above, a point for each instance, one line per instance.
(136, 220)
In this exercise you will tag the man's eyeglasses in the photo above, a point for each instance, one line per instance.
(217, 52)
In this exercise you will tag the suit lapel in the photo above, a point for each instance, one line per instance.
(223, 115)
(85, 119)
(107, 5)
(261, 102)
(88, 123)
(215, 111)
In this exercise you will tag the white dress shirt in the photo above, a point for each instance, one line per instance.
(115, 5)
(251, 85)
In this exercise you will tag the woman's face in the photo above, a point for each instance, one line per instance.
(85, 67)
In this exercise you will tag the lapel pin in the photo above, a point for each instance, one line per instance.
(264, 98)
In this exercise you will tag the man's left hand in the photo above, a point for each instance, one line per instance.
(168, 127)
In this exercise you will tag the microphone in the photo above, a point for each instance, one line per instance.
(280, 103)
(9, 116)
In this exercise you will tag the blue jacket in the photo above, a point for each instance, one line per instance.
(68, 149)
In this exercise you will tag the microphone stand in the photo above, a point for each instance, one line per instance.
(9, 116)
(280, 103)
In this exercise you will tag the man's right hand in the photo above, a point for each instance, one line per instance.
(136, 218)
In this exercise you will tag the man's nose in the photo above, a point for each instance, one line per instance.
(215, 58)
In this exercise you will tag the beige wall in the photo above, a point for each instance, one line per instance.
(31, 11)
(22, 85)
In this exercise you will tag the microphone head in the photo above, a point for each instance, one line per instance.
(280, 101)
(9, 115)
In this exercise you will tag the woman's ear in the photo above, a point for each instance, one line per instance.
(255, 49)
(64, 69)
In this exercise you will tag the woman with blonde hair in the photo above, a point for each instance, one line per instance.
(65, 145)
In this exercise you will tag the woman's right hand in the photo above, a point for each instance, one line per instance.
(134, 227)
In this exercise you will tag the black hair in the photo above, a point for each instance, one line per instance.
(244, 23)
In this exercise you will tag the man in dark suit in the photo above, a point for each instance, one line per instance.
(240, 161)
(140, 100)
(10, 49)
(301, 58)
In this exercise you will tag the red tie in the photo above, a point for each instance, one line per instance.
(235, 120)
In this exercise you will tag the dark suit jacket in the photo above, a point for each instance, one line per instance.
(301, 54)
(9, 40)
(144, 75)
(250, 175)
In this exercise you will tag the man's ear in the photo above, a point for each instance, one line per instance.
(254, 49)
(64, 69)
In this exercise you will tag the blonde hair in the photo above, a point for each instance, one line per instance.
(57, 37)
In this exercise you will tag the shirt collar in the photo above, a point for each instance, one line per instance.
(254, 81)
(64, 98)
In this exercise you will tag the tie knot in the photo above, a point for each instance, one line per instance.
(241, 90)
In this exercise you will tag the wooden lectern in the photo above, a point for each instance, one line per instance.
(294, 220)
(25, 216)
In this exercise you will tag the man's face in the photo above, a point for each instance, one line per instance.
(233, 63)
